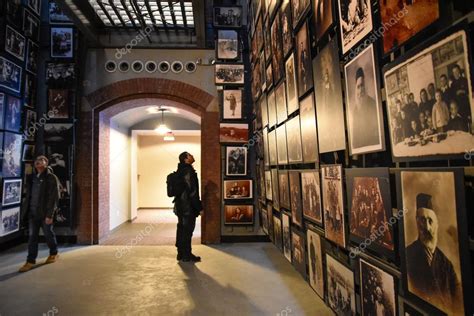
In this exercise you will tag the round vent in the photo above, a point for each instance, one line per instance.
(177, 67)
(164, 66)
(124, 66)
(111, 66)
(190, 67)
(150, 66)
(137, 66)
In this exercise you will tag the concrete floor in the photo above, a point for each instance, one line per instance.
(233, 279)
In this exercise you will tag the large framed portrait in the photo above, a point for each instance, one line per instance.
(234, 133)
(228, 45)
(430, 102)
(11, 192)
(291, 88)
(30, 97)
(281, 145)
(238, 189)
(405, 20)
(10, 221)
(286, 27)
(10, 76)
(277, 232)
(433, 239)
(328, 94)
(13, 114)
(277, 49)
(2, 110)
(340, 287)
(315, 262)
(268, 185)
(284, 189)
(59, 102)
(31, 25)
(334, 223)
(272, 112)
(275, 189)
(238, 214)
(236, 161)
(34, 5)
(11, 164)
(286, 232)
(232, 104)
(56, 15)
(15, 43)
(364, 106)
(58, 132)
(272, 148)
(62, 42)
(309, 135)
(323, 16)
(293, 135)
(32, 56)
(370, 209)
(299, 255)
(230, 17)
(300, 8)
(311, 189)
(377, 290)
(303, 60)
(355, 22)
(280, 99)
(60, 74)
(228, 74)
(295, 198)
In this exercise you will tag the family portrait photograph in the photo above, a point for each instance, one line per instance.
(236, 161)
(60, 74)
(340, 287)
(295, 198)
(238, 189)
(309, 134)
(311, 191)
(334, 223)
(277, 49)
(230, 17)
(10, 221)
(284, 189)
(11, 192)
(377, 290)
(277, 232)
(303, 59)
(299, 255)
(62, 42)
(238, 214)
(15, 43)
(291, 88)
(229, 74)
(10, 75)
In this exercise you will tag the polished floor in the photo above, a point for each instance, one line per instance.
(232, 279)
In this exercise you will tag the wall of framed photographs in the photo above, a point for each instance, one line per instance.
(364, 168)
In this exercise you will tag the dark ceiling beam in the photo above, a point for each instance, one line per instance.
(138, 13)
(116, 11)
(127, 11)
(183, 12)
(152, 16)
(106, 12)
(160, 9)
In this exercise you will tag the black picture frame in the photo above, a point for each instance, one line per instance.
(296, 202)
(60, 75)
(10, 220)
(35, 6)
(12, 80)
(56, 15)
(62, 42)
(236, 161)
(221, 21)
(278, 232)
(286, 234)
(15, 43)
(30, 91)
(298, 240)
(32, 55)
(31, 25)
(11, 193)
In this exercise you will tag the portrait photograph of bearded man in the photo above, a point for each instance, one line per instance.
(432, 255)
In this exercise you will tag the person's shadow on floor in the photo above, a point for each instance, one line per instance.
(10, 275)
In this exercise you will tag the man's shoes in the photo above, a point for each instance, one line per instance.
(26, 267)
(51, 259)
(191, 258)
(179, 257)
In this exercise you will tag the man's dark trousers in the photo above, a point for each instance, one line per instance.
(184, 234)
(34, 227)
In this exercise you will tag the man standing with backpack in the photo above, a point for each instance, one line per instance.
(184, 186)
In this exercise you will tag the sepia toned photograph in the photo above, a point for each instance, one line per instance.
(315, 262)
(32, 55)
(299, 255)
(11, 192)
(403, 20)
(277, 49)
(272, 111)
(62, 42)
(234, 133)
(286, 27)
(284, 189)
(277, 233)
(13, 114)
(370, 209)
(15, 43)
(293, 135)
(238, 189)
(227, 44)
(280, 99)
(282, 149)
(228, 17)
(58, 102)
(340, 287)
(322, 12)
(355, 21)
(229, 74)
(333, 204)
(309, 135)
(286, 232)
(264, 221)
(10, 221)
(295, 198)
(266, 147)
(238, 214)
(377, 291)
(303, 60)
(268, 42)
(311, 189)
(56, 15)
(272, 148)
(268, 185)
(364, 106)
(275, 189)
(256, 86)
(60, 74)
(10, 75)
(429, 99)
(236, 161)
(291, 88)
(232, 104)
(431, 247)
(262, 104)
(11, 164)
(328, 90)
(300, 8)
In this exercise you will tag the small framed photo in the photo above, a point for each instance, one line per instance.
(236, 161)
(353, 27)
(230, 17)
(13, 114)
(30, 91)
(60, 74)
(28, 152)
(239, 215)
(15, 43)
(35, 5)
(31, 25)
(232, 104)
(11, 192)
(32, 57)
(228, 45)
(277, 232)
(10, 221)
(299, 254)
(238, 189)
(311, 192)
(286, 232)
(338, 277)
(229, 74)
(234, 133)
(30, 125)
(11, 164)
(56, 15)
(284, 189)
(13, 12)
(62, 42)
(58, 102)
(58, 132)
(2, 108)
(11, 75)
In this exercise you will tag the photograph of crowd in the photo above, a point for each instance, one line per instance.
(228, 16)
(60, 74)
(309, 134)
(238, 214)
(355, 21)
(377, 291)
(10, 75)
(430, 101)
(229, 74)
(311, 190)
(236, 161)
(284, 189)
(333, 204)
(315, 262)
(285, 219)
(10, 221)
(340, 288)
(295, 198)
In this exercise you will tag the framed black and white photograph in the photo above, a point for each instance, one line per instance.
(31, 25)
(275, 189)
(30, 91)
(58, 132)
(299, 254)
(62, 42)
(13, 114)
(13, 12)
(286, 27)
(34, 5)
(228, 45)
(234, 133)
(280, 98)
(15, 43)
(284, 189)
(60, 74)
(268, 185)
(31, 127)
(434, 249)
(230, 17)
(295, 198)
(238, 189)
(377, 290)
(363, 104)
(328, 95)
(277, 233)
(59, 102)
(28, 152)
(229, 74)
(236, 161)
(32, 54)
(264, 220)
(303, 61)
(300, 8)
(272, 112)
(286, 234)
(340, 287)
(2, 110)
(355, 22)
(311, 192)
(262, 104)
(282, 150)
(232, 104)
(239, 215)
(272, 148)
(11, 192)
(56, 15)
(293, 135)
(10, 75)
(291, 87)
(333, 204)
(430, 103)
(11, 164)
(266, 147)
(10, 221)
(323, 16)
(277, 49)
(315, 262)
(309, 134)
(59, 160)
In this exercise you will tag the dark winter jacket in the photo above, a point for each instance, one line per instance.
(188, 202)
(48, 194)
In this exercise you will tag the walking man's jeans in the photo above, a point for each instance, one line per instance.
(34, 227)
(184, 234)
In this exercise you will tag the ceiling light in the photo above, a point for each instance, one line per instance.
(169, 137)
(162, 129)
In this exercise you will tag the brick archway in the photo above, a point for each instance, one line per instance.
(123, 95)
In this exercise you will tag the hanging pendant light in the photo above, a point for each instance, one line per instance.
(162, 129)
(169, 137)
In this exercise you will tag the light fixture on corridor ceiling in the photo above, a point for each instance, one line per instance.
(169, 137)
(162, 129)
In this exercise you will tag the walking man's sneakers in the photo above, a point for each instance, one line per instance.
(51, 259)
(26, 267)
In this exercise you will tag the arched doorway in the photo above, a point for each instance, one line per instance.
(92, 173)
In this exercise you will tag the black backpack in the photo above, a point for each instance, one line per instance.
(174, 184)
